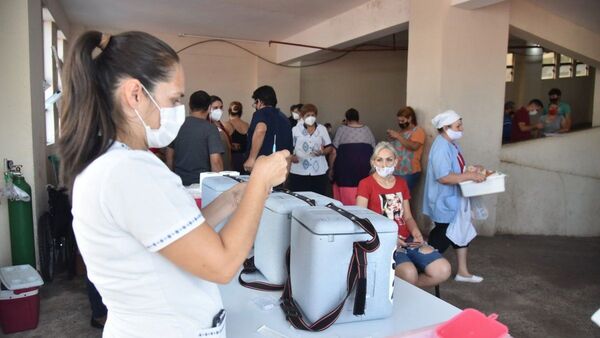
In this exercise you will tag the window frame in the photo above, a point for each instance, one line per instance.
(548, 65)
(510, 66)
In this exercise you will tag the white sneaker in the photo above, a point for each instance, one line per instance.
(471, 279)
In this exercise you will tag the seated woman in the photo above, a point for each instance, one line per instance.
(416, 261)
(552, 122)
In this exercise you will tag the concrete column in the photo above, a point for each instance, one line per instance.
(22, 130)
(596, 104)
(457, 60)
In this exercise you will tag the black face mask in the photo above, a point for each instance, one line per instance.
(403, 125)
(554, 100)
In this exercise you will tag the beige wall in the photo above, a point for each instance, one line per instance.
(577, 91)
(554, 32)
(233, 74)
(373, 83)
(22, 132)
(552, 186)
(596, 103)
(371, 20)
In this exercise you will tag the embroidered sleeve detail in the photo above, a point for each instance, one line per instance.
(175, 234)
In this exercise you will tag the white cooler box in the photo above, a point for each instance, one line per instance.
(214, 186)
(321, 249)
(273, 237)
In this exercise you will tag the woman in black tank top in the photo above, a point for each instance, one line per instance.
(239, 142)
(237, 130)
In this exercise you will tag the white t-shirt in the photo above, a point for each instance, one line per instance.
(305, 145)
(127, 205)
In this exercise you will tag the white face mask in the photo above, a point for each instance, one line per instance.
(454, 135)
(295, 115)
(216, 114)
(309, 121)
(385, 171)
(171, 119)
(533, 112)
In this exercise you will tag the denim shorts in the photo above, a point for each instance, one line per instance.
(413, 255)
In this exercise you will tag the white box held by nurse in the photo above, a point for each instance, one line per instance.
(493, 184)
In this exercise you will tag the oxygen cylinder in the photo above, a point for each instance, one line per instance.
(20, 217)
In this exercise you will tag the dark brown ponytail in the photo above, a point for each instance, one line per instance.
(90, 117)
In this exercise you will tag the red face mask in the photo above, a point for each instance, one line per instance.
(552, 111)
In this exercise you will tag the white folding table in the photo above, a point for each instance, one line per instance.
(413, 309)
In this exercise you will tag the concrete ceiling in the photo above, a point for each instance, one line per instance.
(261, 20)
(585, 13)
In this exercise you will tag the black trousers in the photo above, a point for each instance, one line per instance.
(98, 308)
(316, 184)
(439, 240)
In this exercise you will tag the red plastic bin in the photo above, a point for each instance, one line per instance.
(472, 324)
(19, 310)
(19, 298)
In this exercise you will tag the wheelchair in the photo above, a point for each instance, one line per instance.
(56, 240)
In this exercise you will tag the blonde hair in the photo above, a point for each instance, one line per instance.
(379, 147)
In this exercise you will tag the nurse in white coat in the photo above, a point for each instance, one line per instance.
(152, 254)
(442, 199)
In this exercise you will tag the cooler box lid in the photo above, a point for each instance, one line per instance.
(195, 190)
(8, 295)
(324, 221)
(221, 183)
(20, 277)
(282, 203)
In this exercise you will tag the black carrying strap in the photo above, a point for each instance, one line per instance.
(249, 266)
(309, 201)
(235, 178)
(357, 275)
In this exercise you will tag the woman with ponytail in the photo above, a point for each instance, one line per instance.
(152, 254)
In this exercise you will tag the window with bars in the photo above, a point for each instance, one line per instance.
(560, 66)
(54, 44)
(510, 67)
(548, 66)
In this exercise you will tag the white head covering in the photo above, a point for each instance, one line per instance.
(445, 119)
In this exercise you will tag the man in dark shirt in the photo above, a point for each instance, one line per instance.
(197, 147)
(509, 109)
(525, 121)
(269, 130)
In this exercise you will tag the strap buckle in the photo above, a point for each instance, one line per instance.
(290, 309)
(249, 266)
